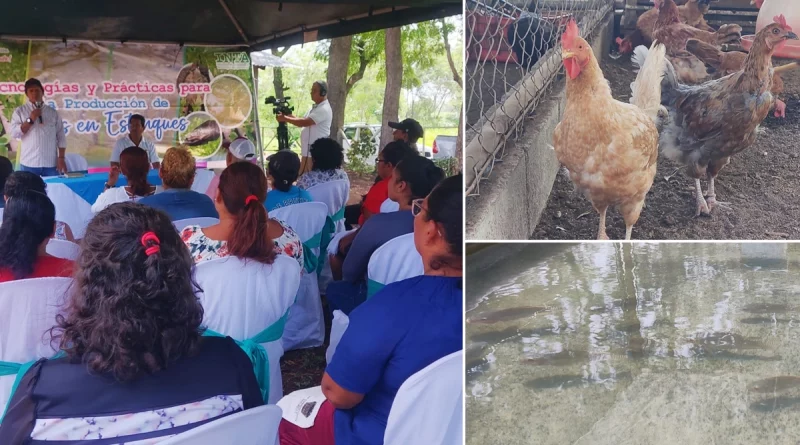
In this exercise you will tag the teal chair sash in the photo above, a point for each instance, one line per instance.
(20, 369)
(338, 216)
(325, 239)
(257, 354)
(373, 287)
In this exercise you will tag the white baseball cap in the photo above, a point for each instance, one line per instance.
(242, 149)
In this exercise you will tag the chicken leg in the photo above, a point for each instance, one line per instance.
(601, 232)
(630, 214)
(702, 206)
(711, 200)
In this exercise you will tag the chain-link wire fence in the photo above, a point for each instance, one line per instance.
(513, 59)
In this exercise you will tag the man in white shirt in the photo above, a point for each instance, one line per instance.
(316, 123)
(41, 130)
(135, 138)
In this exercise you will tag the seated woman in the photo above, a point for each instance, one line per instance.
(244, 228)
(282, 169)
(327, 157)
(28, 223)
(20, 183)
(413, 178)
(405, 327)
(134, 163)
(131, 335)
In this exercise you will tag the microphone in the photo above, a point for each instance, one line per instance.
(39, 105)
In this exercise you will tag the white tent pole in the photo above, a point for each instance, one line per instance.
(255, 114)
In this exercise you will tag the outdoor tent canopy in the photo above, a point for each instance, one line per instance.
(255, 24)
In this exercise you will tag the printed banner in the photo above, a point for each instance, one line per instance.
(194, 96)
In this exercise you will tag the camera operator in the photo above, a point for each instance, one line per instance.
(316, 123)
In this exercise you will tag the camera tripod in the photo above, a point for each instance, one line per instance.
(283, 136)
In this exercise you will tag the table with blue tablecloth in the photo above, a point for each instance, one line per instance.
(73, 197)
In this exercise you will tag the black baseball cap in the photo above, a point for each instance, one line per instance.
(411, 127)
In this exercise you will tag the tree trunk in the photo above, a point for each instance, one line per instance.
(456, 75)
(460, 142)
(394, 82)
(277, 73)
(363, 61)
(338, 61)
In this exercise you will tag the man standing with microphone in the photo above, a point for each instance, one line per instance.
(316, 124)
(41, 130)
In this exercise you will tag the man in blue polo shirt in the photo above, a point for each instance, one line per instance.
(178, 200)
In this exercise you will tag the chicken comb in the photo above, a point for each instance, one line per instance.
(781, 20)
(570, 33)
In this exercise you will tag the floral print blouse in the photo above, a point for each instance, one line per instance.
(315, 177)
(203, 248)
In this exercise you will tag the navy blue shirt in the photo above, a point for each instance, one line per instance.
(182, 204)
(405, 327)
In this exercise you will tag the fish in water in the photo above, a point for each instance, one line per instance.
(766, 308)
(727, 340)
(205, 132)
(728, 355)
(774, 384)
(476, 362)
(764, 320)
(569, 381)
(775, 403)
(494, 337)
(513, 313)
(563, 358)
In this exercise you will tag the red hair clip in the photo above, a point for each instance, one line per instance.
(151, 236)
(250, 199)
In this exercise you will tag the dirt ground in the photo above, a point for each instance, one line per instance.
(761, 184)
(359, 185)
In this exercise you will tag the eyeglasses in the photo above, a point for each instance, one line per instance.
(416, 207)
(378, 161)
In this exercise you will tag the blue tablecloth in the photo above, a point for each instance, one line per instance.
(92, 185)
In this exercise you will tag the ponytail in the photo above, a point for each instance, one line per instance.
(243, 187)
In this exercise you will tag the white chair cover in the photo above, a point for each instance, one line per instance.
(339, 324)
(333, 247)
(70, 208)
(389, 206)
(63, 249)
(256, 426)
(305, 327)
(76, 162)
(203, 222)
(202, 179)
(396, 260)
(242, 298)
(427, 407)
(28, 309)
(335, 195)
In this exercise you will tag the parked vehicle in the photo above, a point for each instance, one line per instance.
(444, 147)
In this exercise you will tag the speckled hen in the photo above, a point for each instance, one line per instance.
(609, 147)
(711, 122)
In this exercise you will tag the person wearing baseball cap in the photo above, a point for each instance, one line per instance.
(240, 149)
(407, 130)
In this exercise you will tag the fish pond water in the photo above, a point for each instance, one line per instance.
(601, 343)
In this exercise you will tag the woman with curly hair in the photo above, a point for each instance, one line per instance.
(28, 223)
(135, 366)
(244, 229)
(20, 183)
(327, 156)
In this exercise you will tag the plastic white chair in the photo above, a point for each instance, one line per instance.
(305, 327)
(63, 249)
(28, 309)
(396, 260)
(255, 426)
(202, 178)
(334, 194)
(389, 206)
(243, 298)
(203, 222)
(427, 407)
(76, 162)
(339, 324)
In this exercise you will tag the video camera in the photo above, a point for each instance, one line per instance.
(279, 105)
